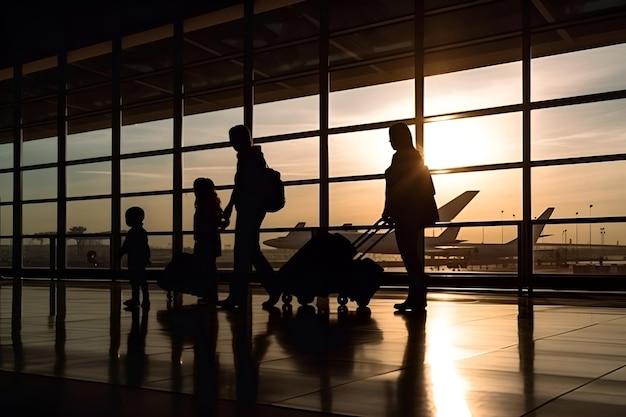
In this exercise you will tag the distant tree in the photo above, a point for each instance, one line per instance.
(79, 241)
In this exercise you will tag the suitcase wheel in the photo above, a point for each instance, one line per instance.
(342, 300)
(287, 298)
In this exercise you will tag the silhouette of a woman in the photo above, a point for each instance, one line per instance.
(410, 206)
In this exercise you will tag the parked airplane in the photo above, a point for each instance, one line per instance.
(464, 254)
(387, 244)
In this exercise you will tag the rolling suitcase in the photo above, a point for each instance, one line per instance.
(330, 263)
(182, 275)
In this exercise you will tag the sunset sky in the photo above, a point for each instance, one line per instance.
(581, 130)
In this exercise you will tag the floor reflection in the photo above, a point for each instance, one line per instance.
(472, 355)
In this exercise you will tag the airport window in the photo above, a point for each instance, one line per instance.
(89, 137)
(576, 73)
(6, 152)
(39, 218)
(89, 179)
(572, 188)
(38, 184)
(151, 173)
(391, 101)
(157, 208)
(359, 153)
(295, 159)
(217, 164)
(6, 220)
(286, 116)
(499, 193)
(348, 202)
(88, 252)
(210, 127)
(471, 141)
(579, 130)
(6, 187)
(302, 205)
(40, 145)
(147, 136)
(89, 216)
(474, 131)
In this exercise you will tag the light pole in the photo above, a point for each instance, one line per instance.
(602, 232)
(502, 226)
(576, 237)
(590, 257)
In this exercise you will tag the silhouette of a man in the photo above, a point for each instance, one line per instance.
(247, 199)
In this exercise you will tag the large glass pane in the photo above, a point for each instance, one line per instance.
(392, 101)
(580, 188)
(6, 155)
(39, 218)
(89, 216)
(359, 153)
(576, 73)
(89, 137)
(210, 127)
(39, 184)
(160, 251)
(158, 212)
(473, 141)
(286, 116)
(581, 130)
(148, 136)
(217, 164)
(89, 179)
(151, 173)
(39, 145)
(36, 252)
(491, 86)
(499, 194)
(348, 204)
(88, 252)
(6, 253)
(6, 187)
(6, 220)
(302, 205)
(295, 159)
(582, 248)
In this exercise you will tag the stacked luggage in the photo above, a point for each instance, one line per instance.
(329, 263)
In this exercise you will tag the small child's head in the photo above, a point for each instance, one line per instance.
(203, 187)
(134, 216)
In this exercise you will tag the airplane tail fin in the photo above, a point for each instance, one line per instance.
(449, 211)
(449, 234)
(538, 228)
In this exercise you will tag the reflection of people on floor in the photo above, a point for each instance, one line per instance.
(60, 336)
(246, 364)
(526, 343)
(205, 364)
(413, 394)
(136, 352)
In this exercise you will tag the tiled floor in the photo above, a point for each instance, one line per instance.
(69, 349)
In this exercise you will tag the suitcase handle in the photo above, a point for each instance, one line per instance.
(369, 234)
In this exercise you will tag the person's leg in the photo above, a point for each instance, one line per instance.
(264, 270)
(145, 302)
(410, 242)
(242, 261)
(135, 285)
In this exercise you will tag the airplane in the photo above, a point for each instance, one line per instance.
(296, 239)
(463, 254)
